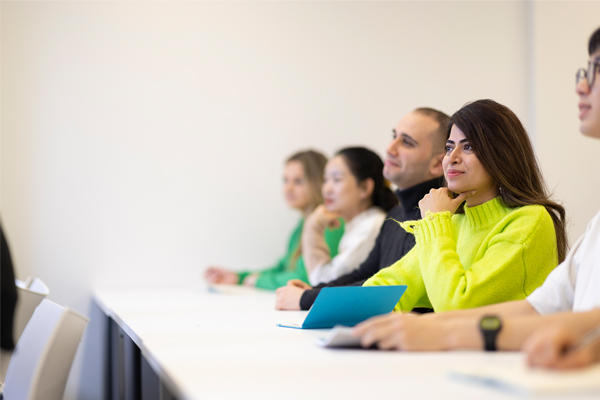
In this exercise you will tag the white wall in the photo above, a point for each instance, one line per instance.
(142, 141)
(570, 161)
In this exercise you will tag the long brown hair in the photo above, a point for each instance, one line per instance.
(313, 165)
(502, 145)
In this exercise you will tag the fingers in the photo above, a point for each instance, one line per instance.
(209, 272)
(383, 335)
(575, 359)
(541, 354)
(549, 348)
(279, 298)
(287, 298)
(463, 196)
(378, 330)
(213, 275)
(334, 223)
(299, 284)
(389, 342)
(371, 323)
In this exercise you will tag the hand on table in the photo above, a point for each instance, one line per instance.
(551, 348)
(440, 200)
(221, 275)
(288, 297)
(401, 332)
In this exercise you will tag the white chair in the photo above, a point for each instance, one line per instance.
(42, 360)
(30, 293)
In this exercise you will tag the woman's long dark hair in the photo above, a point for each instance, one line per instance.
(502, 146)
(365, 164)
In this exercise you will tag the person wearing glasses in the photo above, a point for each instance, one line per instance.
(553, 324)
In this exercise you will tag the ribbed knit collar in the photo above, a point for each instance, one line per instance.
(409, 198)
(486, 214)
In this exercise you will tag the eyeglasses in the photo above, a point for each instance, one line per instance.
(589, 74)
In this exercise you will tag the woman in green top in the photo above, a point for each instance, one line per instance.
(302, 181)
(503, 242)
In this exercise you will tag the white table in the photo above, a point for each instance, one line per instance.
(205, 345)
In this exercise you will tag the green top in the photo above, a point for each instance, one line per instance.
(489, 254)
(287, 268)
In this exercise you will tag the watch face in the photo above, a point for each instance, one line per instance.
(490, 323)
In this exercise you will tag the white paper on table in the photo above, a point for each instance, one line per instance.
(525, 380)
(339, 336)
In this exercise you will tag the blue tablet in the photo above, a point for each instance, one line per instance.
(349, 305)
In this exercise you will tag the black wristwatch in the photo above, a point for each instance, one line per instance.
(490, 326)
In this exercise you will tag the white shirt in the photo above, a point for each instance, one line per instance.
(354, 248)
(575, 284)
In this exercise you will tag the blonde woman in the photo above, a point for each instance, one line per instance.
(302, 181)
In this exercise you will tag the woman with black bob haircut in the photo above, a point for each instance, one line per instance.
(507, 237)
(354, 191)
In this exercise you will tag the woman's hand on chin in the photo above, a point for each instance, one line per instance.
(324, 218)
(440, 200)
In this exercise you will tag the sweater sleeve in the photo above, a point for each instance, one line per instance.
(515, 260)
(282, 265)
(279, 275)
(279, 266)
(404, 272)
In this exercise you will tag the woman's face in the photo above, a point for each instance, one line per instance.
(464, 172)
(295, 187)
(342, 193)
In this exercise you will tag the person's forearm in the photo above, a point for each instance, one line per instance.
(464, 332)
(516, 330)
(462, 326)
(509, 308)
(314, 247)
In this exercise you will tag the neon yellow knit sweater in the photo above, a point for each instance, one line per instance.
(487, 255)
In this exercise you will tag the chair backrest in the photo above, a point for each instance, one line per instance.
(42, 360)
(31, 293)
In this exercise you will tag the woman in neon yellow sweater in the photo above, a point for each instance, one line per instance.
(302, 181)
(503, 242)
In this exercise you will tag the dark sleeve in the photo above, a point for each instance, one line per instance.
(355, 278)
(8, 295)
(309, 296)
